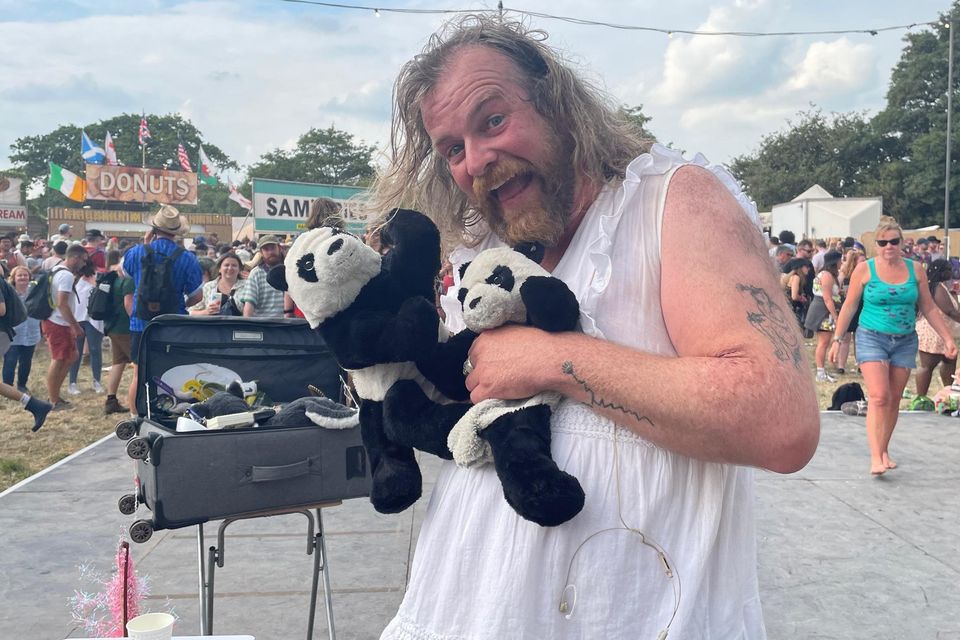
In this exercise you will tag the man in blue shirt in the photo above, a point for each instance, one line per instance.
(165, 225)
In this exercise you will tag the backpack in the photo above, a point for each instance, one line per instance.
(100, 305)
(849, 392)
(156, 293)
(40, 303)
(16, 311)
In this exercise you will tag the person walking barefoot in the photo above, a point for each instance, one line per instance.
(891, 288)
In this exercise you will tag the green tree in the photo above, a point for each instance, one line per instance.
(325, 156)
(840, 152)
(639, 120)
(898, 154)
(31, 155)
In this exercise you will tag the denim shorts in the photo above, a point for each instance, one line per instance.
(900, 350)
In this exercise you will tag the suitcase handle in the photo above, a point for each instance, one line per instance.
(281, 472)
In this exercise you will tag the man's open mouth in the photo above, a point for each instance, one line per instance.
(511, 187)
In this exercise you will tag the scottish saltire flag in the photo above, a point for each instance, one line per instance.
(92, 154)
(205, 169)
(144, 134)
(111, 151)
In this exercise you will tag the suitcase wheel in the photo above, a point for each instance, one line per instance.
(141, 531)
(126, 429)
(138, 448)
(127, 504)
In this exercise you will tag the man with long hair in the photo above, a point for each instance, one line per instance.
(689, 370)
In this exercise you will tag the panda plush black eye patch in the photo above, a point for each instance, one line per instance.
(305, 268)
(502, 276)
(334, 246)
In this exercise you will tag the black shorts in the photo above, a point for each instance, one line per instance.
(135, 345)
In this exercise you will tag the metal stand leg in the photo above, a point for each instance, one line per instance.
(215, 558)
(321, 547)
(203, 582)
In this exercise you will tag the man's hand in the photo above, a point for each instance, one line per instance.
(76, 330)
(508, 363)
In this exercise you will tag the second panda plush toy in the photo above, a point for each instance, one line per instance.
(501, 286)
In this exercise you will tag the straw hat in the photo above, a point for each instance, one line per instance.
(169, 220)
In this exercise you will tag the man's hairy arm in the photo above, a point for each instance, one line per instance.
(740, 390)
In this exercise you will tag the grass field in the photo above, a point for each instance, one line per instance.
(23, 453)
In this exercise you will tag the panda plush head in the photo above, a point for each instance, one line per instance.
(490, 288)
(325, 270)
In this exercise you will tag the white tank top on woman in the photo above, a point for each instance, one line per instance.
(481, 571)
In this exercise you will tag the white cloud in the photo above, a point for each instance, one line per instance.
(828, 67)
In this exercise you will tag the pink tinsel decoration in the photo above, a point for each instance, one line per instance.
(102, 614)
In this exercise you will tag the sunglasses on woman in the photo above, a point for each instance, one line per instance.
(893, 241)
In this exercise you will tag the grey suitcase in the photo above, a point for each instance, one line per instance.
(188, 478)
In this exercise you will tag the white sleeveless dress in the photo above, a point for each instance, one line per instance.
(481, 571)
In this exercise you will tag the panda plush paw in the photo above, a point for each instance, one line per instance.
(397, 484)
(416, 329)
(533, 485)
(410, 418)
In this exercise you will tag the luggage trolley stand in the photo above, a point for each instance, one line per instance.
(315, 546)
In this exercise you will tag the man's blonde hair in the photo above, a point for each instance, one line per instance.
(602, 140)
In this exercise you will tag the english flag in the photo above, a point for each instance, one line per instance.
(111, 151)
(238, 197)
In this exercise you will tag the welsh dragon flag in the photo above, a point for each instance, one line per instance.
(205, 169)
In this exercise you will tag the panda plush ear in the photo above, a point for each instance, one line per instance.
(277, 277)
(532, 250)
(463, 269)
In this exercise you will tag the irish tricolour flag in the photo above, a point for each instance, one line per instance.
(67, 183)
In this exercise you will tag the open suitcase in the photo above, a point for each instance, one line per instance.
(188, 478)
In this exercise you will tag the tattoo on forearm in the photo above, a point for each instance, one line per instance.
(770, 320)
(600, 402)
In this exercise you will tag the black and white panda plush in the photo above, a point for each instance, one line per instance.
(376, 317)
(502, 286)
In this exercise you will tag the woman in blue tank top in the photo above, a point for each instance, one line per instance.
(892, 288)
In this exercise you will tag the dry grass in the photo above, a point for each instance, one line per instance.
(23, 453)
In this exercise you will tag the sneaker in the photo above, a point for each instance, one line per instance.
(112, 405)
(73, 389)
(23, 389)
(823, 376)
(97, 387)
(854, 408)
(61, 405)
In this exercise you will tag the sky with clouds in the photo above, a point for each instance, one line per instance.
(253, 75)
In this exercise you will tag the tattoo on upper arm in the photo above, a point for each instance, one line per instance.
(770, 320)
(600, 402)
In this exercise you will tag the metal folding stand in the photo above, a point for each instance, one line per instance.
(315, 545)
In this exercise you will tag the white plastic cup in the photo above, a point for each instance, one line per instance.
(151, 626)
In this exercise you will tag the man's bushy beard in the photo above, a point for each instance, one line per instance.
(538, 222)
(273, 260)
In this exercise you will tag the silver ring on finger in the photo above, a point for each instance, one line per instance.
(467, 367)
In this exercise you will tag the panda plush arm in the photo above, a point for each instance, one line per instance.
(444, 367)
(550, 304)
(376, 329)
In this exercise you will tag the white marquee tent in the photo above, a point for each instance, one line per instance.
(817, 214)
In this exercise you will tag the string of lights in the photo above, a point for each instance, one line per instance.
(626, 27)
